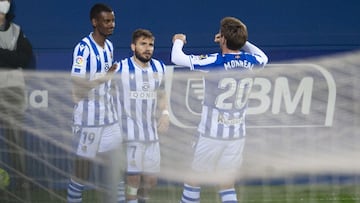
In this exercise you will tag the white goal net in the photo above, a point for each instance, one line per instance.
(303, 124)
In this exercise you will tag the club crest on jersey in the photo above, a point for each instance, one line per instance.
(145, 86)
(107, 67)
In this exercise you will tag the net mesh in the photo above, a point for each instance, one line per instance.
(302, 129)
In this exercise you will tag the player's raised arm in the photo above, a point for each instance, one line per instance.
(178, 57)
(217, 38)
(259, 54)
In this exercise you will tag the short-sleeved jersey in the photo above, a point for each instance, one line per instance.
(91, 61)
(137, 98)
(226, 92)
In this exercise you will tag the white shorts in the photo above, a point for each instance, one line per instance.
(91, 140)
(218, 156)
(143, 157)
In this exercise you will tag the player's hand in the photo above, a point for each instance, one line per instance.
(217, 38)
(113, 68)
(179, 36)
(194, 141)
(110, 73)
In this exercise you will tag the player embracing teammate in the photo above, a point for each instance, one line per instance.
(221, 131)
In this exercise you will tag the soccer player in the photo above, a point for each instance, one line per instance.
(222, 127)
(96, 126)
(140, 97)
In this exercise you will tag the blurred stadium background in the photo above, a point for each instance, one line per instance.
(304, 118)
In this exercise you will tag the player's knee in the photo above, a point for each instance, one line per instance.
(152, 183)
(131, 191)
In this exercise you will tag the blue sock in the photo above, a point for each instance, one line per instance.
(121, 192)
(228, 196)
(190, 194)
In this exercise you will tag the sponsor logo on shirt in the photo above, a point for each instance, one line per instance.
(142, 94)
(226, 121)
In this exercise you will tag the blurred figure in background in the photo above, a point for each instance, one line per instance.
(15, 55)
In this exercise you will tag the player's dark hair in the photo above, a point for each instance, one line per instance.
(141, 33)
(234, 31)
(98, 8)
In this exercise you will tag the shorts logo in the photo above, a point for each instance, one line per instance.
(132, 163)
(77, 131)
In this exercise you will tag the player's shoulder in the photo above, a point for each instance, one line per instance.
(125, 61)
(160, 65)
(109, 43)
(85, 39)
(253, 58)
(123, 64)
(82, 43)
(157, 62)
(205, 60)
(200, 57)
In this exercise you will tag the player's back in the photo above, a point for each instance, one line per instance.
(228, 83)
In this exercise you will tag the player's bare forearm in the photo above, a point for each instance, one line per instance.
(163, 122)
(162, 100)
(82, 86)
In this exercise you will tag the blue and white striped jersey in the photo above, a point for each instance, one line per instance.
(91, 61)
(137, 98)
(226, 92)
